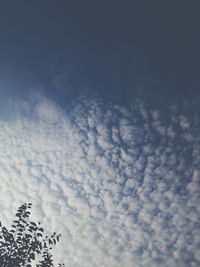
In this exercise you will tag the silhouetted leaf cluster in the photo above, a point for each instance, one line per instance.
(21, 245)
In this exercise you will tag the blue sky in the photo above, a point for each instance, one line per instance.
(99, 128)
(100, 43)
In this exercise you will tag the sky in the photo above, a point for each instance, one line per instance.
(99, 128)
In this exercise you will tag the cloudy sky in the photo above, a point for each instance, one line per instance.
(99, 128)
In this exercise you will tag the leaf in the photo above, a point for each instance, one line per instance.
(27, 242)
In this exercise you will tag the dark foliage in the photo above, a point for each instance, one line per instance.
(20, 245)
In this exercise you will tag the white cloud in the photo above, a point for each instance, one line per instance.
(115, 181)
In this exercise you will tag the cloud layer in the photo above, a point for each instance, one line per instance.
(122, 184)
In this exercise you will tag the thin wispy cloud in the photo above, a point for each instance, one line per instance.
(121, 184)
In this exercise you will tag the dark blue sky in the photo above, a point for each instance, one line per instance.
(104, 45)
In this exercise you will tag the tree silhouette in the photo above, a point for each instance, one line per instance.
(21, 245)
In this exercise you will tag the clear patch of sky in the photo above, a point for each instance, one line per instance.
(112, 48)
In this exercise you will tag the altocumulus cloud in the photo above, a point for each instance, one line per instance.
(121, 183)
